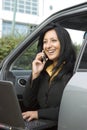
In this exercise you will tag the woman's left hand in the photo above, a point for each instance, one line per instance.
(30, 115)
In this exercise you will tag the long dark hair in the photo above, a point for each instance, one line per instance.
(67, 52)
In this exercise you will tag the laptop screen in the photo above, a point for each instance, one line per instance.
(10, 112)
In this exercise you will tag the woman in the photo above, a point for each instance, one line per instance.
(44, 89)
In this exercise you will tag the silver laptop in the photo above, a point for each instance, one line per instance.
(10, 112)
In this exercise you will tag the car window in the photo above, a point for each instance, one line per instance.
(24, 61)
(77, 38)
(83, 63)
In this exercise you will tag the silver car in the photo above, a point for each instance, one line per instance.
(73, 108)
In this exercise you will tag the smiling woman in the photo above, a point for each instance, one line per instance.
(44, 88)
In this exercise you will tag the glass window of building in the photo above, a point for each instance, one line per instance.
(8, 5)
(19, 28)
(23, 6)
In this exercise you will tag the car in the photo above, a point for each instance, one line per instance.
(17, 68)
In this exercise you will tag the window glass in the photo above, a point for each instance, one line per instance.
(23, 6)
(20, 29)
(6, 28)
(8, 5)
(83, 63)
(77, 38)
(24, 61)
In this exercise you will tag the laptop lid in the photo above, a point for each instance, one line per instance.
(10, 112)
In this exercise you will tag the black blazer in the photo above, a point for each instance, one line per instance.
(44, 96)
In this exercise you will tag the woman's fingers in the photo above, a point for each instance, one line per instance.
(25, 115)
(30, 115)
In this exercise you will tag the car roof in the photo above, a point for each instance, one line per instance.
(74, 17)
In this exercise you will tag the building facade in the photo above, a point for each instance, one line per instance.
(21, 16)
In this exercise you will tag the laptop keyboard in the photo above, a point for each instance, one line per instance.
(34, 124)
(38, 125)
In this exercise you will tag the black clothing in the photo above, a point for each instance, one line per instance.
(44, 96)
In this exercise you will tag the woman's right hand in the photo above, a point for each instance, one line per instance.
(30, 115)
(37, 65)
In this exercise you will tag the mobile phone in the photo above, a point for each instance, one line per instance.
(44, 58)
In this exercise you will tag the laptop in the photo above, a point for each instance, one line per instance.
(10, 111)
